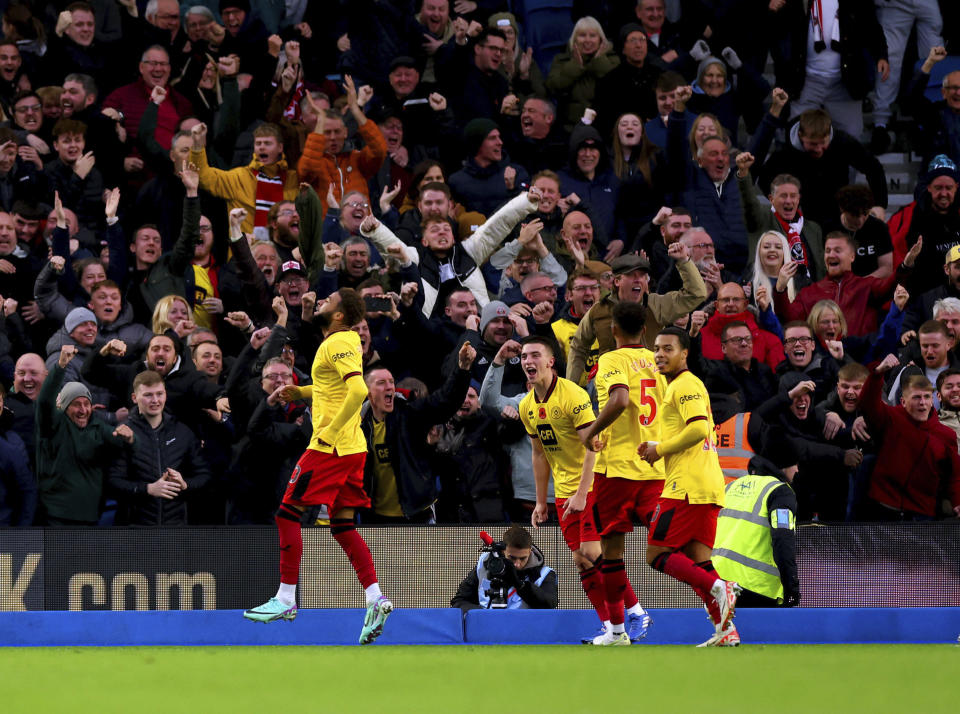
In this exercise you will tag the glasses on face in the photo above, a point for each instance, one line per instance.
(155, 63)
(277, 377)
(495, 49)
(702, 246)
(549, 288)
(791, 341)
(28, 109)
(738, 340)
(585, 288)
(291, 212)
(357, 204)
(525, 261)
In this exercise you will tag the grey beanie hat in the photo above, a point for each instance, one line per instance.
(76, 317)
(70, 391)
(492, 309)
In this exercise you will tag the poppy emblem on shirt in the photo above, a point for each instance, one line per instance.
(543, 413)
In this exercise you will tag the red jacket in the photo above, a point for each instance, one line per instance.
(132, 100)
(766, 346)
(859, 297)
(915, 457)
(347, 171)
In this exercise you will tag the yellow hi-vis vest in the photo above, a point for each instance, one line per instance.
(743, 548)
(733, 448)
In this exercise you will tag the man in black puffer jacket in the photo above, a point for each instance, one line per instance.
(165, 461)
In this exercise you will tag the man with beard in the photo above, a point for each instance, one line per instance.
(804, 235)
(325, 163)
(632, 283)
(73, 449)
(860, 298)
(487, 333)
(188, 391)
(399, 476)
(667, 227)
(487, 180)
(948, 390)
(824, 468)
(921, 309)
(78, 101)
(934, 218)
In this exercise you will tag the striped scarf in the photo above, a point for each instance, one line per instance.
(269, 192)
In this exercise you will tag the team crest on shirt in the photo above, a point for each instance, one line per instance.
(556, 413)
(542, 414)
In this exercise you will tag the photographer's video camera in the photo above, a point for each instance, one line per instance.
(496, 566)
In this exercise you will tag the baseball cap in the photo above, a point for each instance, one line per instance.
(623, 264)
(292, 266)
(953, 254)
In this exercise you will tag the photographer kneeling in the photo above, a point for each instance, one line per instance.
(510, 574)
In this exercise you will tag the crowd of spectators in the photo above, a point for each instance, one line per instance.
(182, 185)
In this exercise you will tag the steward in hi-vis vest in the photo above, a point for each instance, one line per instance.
(756, 538)
(733, 447)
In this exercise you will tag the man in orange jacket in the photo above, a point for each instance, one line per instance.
(325, 165)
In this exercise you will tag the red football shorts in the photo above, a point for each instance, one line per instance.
(328, 479)
(677, 522)
(577, 528)
(618, 500)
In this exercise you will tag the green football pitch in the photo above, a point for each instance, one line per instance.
(794, 678)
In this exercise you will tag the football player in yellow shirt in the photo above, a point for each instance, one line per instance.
(629, 388)
(684, 524)
(330, 472)
(553, 412)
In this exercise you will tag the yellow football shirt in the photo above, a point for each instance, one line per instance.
(340, 358)
(386, 499)
(555, 421)
(564, 330)
(631, 367)
(695, 472)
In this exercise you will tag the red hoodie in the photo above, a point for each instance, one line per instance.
(766, 346)
(914, 456)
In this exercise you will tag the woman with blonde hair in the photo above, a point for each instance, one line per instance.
(173, 312)
(772, 266)
(574, 73)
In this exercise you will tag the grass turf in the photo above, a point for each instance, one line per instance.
(782, 678)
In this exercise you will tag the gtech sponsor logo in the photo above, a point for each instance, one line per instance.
(689, 398)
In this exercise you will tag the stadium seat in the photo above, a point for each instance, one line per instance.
(939, 71)
(547, 28)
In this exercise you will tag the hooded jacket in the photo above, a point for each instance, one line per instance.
(238, 186)
(766, 346)
(482, 188)
(600, 193)
(539, 597)
(916, 459)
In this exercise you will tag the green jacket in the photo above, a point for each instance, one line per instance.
(574, 84)
(72, 463)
